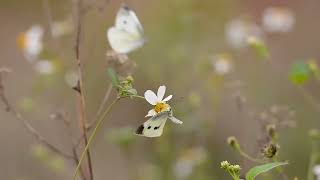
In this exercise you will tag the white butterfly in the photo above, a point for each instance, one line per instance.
(127, 33)
(153, 127)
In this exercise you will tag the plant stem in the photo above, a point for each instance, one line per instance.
(99, 123)
(280, 170)
(82, 116)
(11, 109)
(313, 159)
(242, 153)
(103, 102)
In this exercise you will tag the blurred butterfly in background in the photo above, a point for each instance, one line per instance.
(153, 127)
(127, 34)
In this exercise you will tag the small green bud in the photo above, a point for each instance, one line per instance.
(232, 169)
(224, 164)
(235, 168)
(129, 78)
(233, 142)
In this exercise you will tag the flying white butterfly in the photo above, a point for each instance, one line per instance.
(127, 34)
(154, 126)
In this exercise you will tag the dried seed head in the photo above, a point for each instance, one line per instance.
(270, 150)
(120, 62)
(233, 142)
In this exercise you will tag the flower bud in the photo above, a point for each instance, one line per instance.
(233, 142)
(271, 130)
(224, 164)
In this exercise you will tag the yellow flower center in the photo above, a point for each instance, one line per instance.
(21, 40)
(159, 107)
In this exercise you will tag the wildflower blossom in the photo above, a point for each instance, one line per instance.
(157, 101)
(31, 42)
(44, 67)
(276, 19)
(161, 112)
(222, 64)
(316, 171)
(238, 30)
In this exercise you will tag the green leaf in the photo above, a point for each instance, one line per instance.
(300, 73)
(113, 76)
(255, 171)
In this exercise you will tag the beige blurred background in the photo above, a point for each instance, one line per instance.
(183, 37)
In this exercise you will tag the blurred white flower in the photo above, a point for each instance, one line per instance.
(62, 28)
(277, 19)
(186, 163)
(238, 30)
(316, 171)
(222, 64)
(71, 78)
(157, 101)
(44, 67)
(31, 42)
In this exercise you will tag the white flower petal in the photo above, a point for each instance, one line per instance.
(316, 170)
(161, 92)
(151, 113)
(167, 98)
(151, 97)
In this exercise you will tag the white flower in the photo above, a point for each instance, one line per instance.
(157, 101)
(44, 67)
(276, 19)
(31, 42)
(238, 30)
(222, 64)
(316, 171)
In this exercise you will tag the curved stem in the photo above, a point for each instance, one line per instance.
(94, 132)
(242, 153)
(99, 123)
(137, 96)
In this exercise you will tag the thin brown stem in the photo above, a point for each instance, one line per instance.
(10, 108)
(66, 122)
(80, 95)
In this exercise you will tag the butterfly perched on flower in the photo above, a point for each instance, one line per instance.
(160, 113)
(127, 34)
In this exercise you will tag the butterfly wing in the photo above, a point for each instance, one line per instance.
(127, 34)
(123, 42)
(154, 126)
(127, 20)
